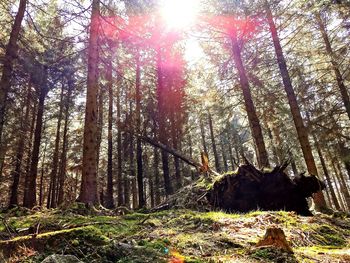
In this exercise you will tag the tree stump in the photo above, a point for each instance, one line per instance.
(275, 237)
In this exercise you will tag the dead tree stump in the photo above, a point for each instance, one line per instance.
(275, 237)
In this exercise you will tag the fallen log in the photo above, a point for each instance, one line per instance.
(246, 190)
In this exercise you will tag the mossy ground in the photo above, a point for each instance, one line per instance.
(171, 236)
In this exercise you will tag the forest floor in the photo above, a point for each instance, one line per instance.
(170, 236)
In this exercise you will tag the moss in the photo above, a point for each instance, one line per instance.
(328, 236)
(271, 254)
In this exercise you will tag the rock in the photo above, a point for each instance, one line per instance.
(62, 259)
(275, 237)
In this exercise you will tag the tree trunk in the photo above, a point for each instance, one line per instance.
(223, 152)
(29, 199)
(162, 125)
(254, 123)
(7, 67)
(19, 155)
(122, 198)
(53, 199)
(302, 132)
(140, 186)
(63, 158)
(175, 143)
(88, 190)
(212, 137)
(345, 188)
(41, 189)
(335, 66)
(204, 144)
(326, 173)
(109, 202)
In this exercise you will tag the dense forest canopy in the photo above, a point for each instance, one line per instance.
(114, 102)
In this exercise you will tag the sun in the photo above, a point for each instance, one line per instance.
(179, 14)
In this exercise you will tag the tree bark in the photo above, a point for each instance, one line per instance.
(302, 132)
(10, 55)
(326, 173)
(88, 190)
(140, 186)
(123, 197)
(254, 123)
(29, 199)
(109, 202)
(162, 125)
(41, 189)
(213, 143)
(63, 158)
(204, 144)
(53, 199)
(19, 155)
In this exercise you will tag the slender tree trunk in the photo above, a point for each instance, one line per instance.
(232, 159)
(343, 184)
(19, 155)
(174, 138)
(223, 152)
(140, 186)
(109, 202)
(53, 199)
(133, 173)
(213, 144)
(302, 132)
(29, 199)
(335, 66)
(255, 127)
(63, 158)
(204, 144)
(326, 173)
(7, 67)
(89, 188)
(342, 190)
(100, 176)
(162, 125)
(41, 189)
(30, 143)
(123, 197)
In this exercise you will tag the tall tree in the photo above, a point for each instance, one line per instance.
(142, 201)
(339, 78)
(88, 190)
(298, 121)
(7, 68)
(109, 202)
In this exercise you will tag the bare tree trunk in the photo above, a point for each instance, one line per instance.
(343, 184)
(7, 67)
(335, 66)
(223, 152)
(19, 155)
(326, 173)
(89, 186)
(123, 197)
(41, 195)
(204, 144)
(53, 199)
(212, 137)
(254, 123)
(174, 138)
(162, 125)
(63, 158)
(29, 199)
(132, 173)
(140, 186)
(109, 202)
(302, 132)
